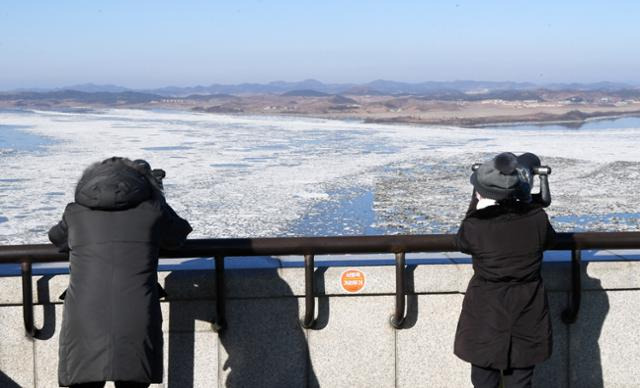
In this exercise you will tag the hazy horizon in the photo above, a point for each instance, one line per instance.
(151, 44)
(206, 84)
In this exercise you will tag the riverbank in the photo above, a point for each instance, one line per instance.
(568, 109)
(571, 119)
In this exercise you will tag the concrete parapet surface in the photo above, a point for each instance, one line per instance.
(352, 343)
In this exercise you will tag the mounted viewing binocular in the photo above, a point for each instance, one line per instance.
(158, 174)
(529, 165)
(538, 170)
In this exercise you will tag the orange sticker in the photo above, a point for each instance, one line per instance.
(352, 280)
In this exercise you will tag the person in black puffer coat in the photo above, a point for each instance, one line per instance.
(112, 324)
(504, 327)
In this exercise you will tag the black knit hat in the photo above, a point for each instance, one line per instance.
(498, 178)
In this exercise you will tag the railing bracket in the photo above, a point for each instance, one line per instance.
(309, 293)
(27, 299)
(570, 314)
(219, 324)
(397, 319)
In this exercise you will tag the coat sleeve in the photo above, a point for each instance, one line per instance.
(174, 229)
(59, 235)
(462, 244)
(550, 235)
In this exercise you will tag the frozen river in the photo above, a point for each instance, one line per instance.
(235, 176)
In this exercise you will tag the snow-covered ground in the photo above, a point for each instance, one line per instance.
(237, 176)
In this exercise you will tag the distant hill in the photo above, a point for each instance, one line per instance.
(127, 97)
(362, 90)
(381, 87)
(305, 93)
(626, 93)
(393, 87)
(275, 87)
(596, 86)
(206, 97)
(93, 88)
(338, 99)
(506, 95)
(312, 87)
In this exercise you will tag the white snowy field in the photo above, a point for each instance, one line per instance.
(233, 176)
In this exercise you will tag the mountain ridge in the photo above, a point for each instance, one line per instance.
(379, 86)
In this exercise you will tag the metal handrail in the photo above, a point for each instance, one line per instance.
(282, 246)
(310, 246)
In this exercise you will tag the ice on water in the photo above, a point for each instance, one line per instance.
(234, 176)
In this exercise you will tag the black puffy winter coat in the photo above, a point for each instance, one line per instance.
(112, 324)
(504, 322)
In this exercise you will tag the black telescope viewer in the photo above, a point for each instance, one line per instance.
(529, 165)
(157, 173)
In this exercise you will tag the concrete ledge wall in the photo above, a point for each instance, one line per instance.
(354, 344)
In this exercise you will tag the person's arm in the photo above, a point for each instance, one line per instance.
(462, 244)
(550, 235)
(174, 229)
(59, 235)
(536, 198)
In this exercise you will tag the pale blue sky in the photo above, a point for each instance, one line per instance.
(157, 43)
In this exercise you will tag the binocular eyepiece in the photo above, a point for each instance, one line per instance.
(158, 174)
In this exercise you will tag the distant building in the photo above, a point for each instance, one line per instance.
(576, 100)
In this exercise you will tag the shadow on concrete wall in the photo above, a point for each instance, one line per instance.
(49, 320)
(7, 382)
(267, 347)
(578, 363)
(412, 312)
(586, 364)
(264, 344)
(324, 310)
(322, 301)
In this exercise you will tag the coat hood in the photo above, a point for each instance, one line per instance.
(112, 184)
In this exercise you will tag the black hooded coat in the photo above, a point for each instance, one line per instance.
(504, 322)
(112, 323)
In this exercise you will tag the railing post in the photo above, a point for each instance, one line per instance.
(397, 319)
(27, 298)
(309, 292)
(570, 314)
(220, 323)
